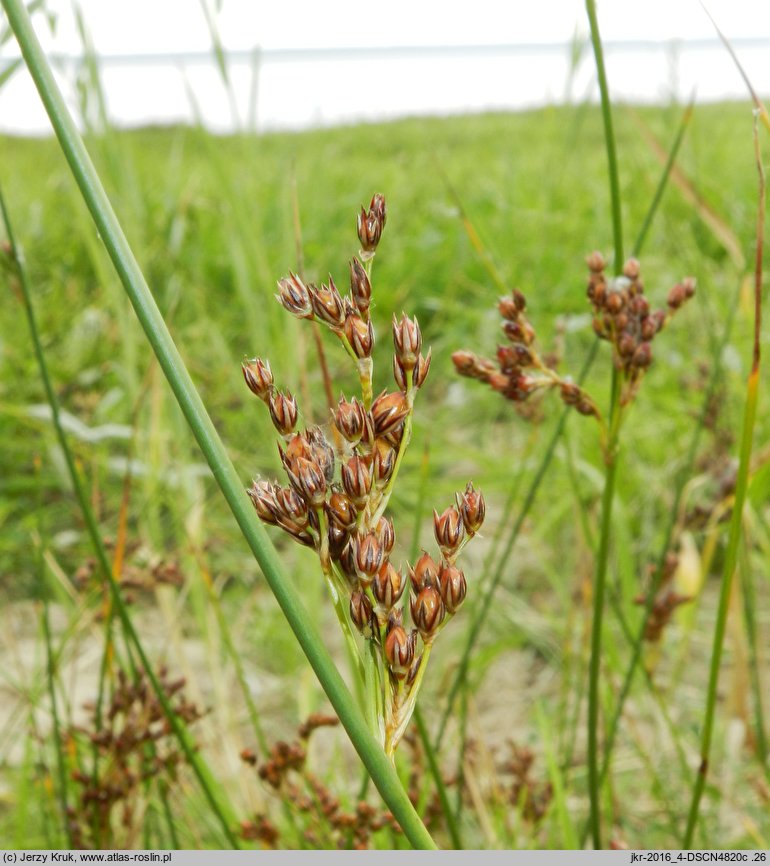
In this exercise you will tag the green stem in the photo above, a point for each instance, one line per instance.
(599, 589)
(380, 768)
(609, 136)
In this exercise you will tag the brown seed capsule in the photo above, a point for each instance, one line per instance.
(689, 286)
(388, 411)
(626, 345)
(586, 407)
(596, 262)
(500, 382)
(290, 507)
(470, 365)
(424, 573)
(308, 479)
(472, 509)
(448, 529)
(295, 297)
(327, 304)
(648, 328)
(452, 587)
(258, 376)
(341, 510)
(370, 224)
(321, 451)
(614, 303)
(393, 437)
(357, 480)
(642, 356)
(384, 461)
(428, 611)
(360, 335)
(519, 332)
(361, 613)
(360, 287)
(283, 411)
(677, 296)
(570, 393)
(388, 585)
(420, 373)
(262, 495)
(347, 562)
(632, 269)
(407, 340)
(414, 670)
(338, 539)
(399, 374)
(508, 308)
(385, 534)
(399, 648)
(350, 419)
(507, 359)
(369, 556)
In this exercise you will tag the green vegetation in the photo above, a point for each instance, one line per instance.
(211, 222)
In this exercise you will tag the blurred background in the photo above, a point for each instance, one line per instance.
(299, 65)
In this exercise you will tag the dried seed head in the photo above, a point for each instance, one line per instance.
(449, 530)
(327, 304)
(295, 297)
(626, 345)
(570, 393)
(386, 535)
(360, 335)
(399, 648)
(388, 411)
(369, 556)
(283, 411)
(428, 611)
(677, 296)
(615, 302)
(420, 373)
(388, 585)
(262, 495)
(341, 510)
(350, 419)
(393, 437)
(347, 562)
(472, 509)
(424, 573)
(407, 341)
(519, 300)
(452, 587)
(361, 613)
(384, 461)
(258, 376)
(370, 224)
(360, 287)
(648, 328)
(308, 479)
(357, 480)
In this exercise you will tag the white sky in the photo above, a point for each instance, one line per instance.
(301, 93)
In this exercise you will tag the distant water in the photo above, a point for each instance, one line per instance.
(301, 89)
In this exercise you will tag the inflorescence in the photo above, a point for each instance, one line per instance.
(338, 491)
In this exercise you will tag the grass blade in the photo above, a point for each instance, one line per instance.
(382, 772)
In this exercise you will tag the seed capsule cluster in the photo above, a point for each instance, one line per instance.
(623, 317)
(519, 370)
(337, 494)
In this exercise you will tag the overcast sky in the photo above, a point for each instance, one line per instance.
(299, 93)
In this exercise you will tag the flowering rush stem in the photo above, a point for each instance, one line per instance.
(380, 768)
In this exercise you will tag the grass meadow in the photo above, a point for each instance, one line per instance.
(214, 222)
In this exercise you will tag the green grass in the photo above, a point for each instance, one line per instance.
(210, 220)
